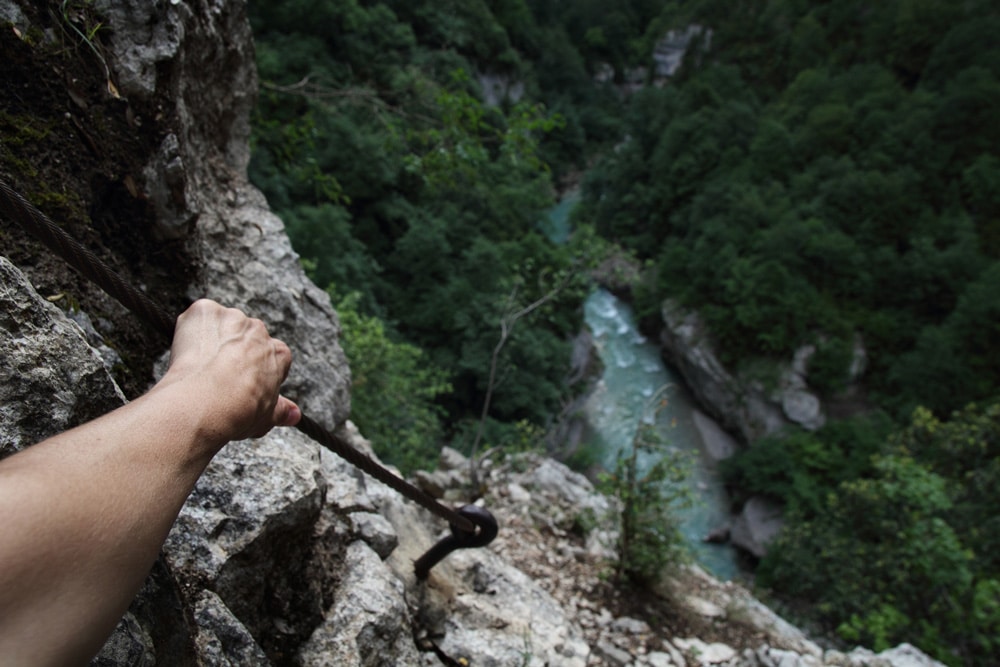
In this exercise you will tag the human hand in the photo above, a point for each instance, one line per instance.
(231, 370)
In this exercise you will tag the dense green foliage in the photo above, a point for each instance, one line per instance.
(829, 171)
(819, 172)
(398, 184)
(393, 390)
(800, 469)
(910, 551)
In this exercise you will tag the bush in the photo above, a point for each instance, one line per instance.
(647, 479)
(393, 387)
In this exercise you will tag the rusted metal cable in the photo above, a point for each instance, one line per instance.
(469, 528)
(89, 265)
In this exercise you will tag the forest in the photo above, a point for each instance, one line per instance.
(822, 173)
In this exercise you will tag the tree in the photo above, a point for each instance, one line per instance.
(907, 550)
(648, 481)
(393, 389)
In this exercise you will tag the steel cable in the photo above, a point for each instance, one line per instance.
(36, 223)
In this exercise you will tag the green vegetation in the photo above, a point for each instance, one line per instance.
(648, 482)
(817, 172)
(393, 389)
(829, 172)
(801, 469)
(909, 551)
(826, 174)
(399, 185)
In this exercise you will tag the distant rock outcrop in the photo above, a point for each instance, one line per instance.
(742, 404)
(671, 49)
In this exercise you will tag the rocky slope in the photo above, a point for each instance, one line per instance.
(284, 554)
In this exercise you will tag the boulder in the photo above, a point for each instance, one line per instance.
(369, 624)
(719, 445)
(670, 50)
(705, 654)
(757, 524)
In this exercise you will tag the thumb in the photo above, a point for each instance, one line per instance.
(286, 412)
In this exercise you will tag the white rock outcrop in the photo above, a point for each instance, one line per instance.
(744, 405)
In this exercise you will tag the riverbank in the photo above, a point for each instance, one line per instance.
(636, 387)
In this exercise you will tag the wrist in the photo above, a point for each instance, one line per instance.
(182, 406)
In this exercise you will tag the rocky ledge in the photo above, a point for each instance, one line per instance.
(690, 619)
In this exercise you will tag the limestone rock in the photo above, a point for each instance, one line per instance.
(611, 654)
(146, 35)
(222, 640)
(130, 644)
(197, 182)
(659, 659)
(260, 273)
(704, 607)
(903, 655)
(743, 404)
(250, 489)
(376, 531)
(369, 622)
(252, 531)
(906, 655)
(555, 479)
(475, 605)
(739, 607)
(499, 615)
(800, 405)
(686, 345)
(705, 654)
(50, 378)
(347, 485)
(757, 524)
(719, 444)
(670, 50)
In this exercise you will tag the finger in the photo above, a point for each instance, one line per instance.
(286, 413)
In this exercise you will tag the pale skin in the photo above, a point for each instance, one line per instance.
(86, 512)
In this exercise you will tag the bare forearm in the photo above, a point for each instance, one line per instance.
(87, 512)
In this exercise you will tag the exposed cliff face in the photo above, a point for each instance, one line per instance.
(283, 554)
(752, 407)
(744, 405)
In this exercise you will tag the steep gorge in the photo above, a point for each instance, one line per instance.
(136, 138)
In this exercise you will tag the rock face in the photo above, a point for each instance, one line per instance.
(51, 379)
(284, 554)
(757, 524)
(197, 182)
(669, 52)
(742, 404)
